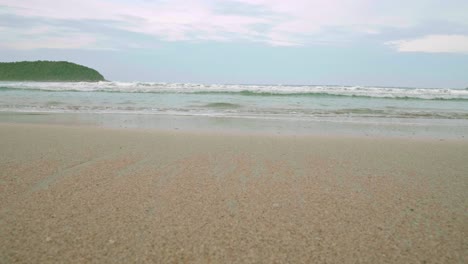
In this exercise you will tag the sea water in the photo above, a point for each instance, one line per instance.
(290, 102)
(255, 101)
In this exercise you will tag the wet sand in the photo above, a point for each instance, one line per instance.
(83, 194)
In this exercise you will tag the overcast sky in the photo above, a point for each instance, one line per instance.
(418, 43)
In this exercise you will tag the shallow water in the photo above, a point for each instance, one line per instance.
(329, 103)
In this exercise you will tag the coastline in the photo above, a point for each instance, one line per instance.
(415, 129)
(95, 193)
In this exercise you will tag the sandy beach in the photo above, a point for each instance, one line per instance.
(74, 194)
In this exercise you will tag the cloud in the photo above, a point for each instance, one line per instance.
(34, 34)
(72, 41)
(167, 20)
(433, 44)
(273, 22)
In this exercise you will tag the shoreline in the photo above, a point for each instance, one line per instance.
(97, 194)
(441, 130)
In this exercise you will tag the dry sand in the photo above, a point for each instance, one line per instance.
(71, 194)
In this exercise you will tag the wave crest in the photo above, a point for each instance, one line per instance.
(245, 90)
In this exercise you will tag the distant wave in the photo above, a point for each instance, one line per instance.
(245, 90)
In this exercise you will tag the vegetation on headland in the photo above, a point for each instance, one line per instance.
(58, 71)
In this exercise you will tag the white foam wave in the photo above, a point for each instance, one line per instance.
(149, 87)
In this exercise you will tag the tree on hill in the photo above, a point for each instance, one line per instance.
(47, 71)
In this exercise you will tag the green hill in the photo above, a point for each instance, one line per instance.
(47, 71)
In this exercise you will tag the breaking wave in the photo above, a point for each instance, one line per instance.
(245, 90)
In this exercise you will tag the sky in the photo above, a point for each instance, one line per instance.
(413, 43)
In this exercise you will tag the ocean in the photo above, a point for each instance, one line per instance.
(305, 102)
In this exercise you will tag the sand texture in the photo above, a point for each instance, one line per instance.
(95, 195)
